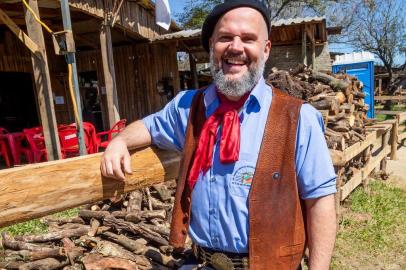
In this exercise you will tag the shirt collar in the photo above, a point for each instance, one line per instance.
(257, 95)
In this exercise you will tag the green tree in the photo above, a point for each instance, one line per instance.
(377, 26)
(195, 12)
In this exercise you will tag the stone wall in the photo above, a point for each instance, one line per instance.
(286, 57)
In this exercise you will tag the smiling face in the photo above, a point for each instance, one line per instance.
(239, 49)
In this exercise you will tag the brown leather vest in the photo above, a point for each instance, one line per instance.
(276, 214)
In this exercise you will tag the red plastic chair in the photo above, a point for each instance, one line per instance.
(89, 135)
(69, 142)
(103, 138)
(36, 142)
(3, 147)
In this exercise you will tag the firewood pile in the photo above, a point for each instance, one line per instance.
(127, 232)
(338, 96)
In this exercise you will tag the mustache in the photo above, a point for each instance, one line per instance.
(235, 56)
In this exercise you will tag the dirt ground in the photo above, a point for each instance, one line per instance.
(397, 169)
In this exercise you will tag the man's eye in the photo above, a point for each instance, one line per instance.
(225, 39)
(248, 40)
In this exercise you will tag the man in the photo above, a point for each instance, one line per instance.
(251, 156)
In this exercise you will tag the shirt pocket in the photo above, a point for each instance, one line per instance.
(239, 182)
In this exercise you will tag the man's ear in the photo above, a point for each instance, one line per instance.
(267, 49)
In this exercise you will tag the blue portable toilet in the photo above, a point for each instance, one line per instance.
(361, 66)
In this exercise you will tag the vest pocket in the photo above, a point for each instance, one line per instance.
(291, 250)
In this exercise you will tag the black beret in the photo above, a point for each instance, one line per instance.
(219, 10)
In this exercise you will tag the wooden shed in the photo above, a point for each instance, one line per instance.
(119, 69)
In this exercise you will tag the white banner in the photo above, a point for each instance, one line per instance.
(163, 14)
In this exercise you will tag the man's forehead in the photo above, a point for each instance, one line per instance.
(245, 17)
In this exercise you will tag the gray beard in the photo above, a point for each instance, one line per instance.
(236, 88)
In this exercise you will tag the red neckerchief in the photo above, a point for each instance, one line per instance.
(227, 116)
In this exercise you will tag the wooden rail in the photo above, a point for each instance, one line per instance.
(40, 189)
(377, 146)
(393, 98)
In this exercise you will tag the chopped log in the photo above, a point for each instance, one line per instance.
(98, 262)
(60, 221)
(120, 224)
(134, 201)
(163, 193)
(11, 264)
(161, 214)
(162, 230)
(148, 198)
(53, 236)
(27, 255)
(94, 226)
(298, 69)
(142, 249)
(336, 84)
(156, 204)
(110, 249)
(130, 244)
(72, 252)
(9, 243)
(133, 217)
(89, 214)
(44, 264)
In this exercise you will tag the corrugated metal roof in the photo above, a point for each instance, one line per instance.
(188, 33)
(298, 20)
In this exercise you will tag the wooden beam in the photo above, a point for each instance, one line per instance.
(109, 74)
(40, 189)
(193, 71)
(31, 45)
(43, 84)
(304, 46)
(393, 98)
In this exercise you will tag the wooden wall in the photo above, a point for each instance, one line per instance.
(138, 70)
(15, 57)
(134, 17)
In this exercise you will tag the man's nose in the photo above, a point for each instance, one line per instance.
(236, 44)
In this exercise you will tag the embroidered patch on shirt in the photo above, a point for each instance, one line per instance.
(243, 176)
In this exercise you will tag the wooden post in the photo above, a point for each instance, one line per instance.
(43, 83)
(193, 70)
(340, 172)
(304, 46)
(314, 66)
(394, 139)
(109, 74)
(310, 29)
(380, 87)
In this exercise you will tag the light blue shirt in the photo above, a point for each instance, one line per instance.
(219, 215)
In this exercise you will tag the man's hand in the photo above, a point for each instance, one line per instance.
(116, 159)
(321, 231)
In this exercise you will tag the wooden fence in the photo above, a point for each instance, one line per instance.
(370, 153)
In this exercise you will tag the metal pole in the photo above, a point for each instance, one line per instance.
(67, 26)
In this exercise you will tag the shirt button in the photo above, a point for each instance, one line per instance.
(212, 211)
(215, 239)
(213, 179)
